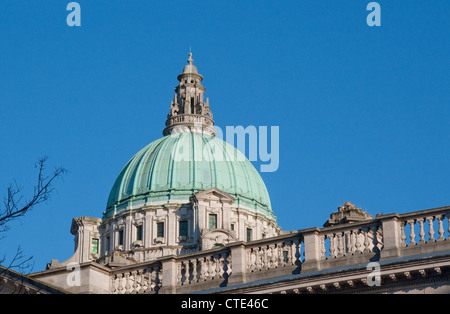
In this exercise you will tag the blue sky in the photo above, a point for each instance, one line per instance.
(363, 112)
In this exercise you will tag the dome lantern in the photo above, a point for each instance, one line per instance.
(188, 111)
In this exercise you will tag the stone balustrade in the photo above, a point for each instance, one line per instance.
(138, 278)
(201, 268)
(424, 221)
(424, 231)
(382, 238)
(189, 118)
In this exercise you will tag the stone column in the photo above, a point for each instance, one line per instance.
(171, 228)
(391, 236)
(311, 241)
(147, 229)
(238, 264)
(169, 275)
(128, 233)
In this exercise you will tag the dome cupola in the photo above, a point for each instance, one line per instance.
(188, 111)
(188, 190)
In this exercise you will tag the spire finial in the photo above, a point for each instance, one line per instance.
(190, 60)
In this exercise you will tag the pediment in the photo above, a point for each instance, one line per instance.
(214, 194)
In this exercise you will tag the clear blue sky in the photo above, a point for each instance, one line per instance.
(364, 112)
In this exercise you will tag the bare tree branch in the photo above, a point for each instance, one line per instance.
(15, 207)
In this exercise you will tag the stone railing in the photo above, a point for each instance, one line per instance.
(137, 278)
(273, 253)
(189, 118)
(343, 245)
(202, 268)
(382, 238)
(424, 231)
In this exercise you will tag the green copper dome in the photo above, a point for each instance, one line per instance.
(175, 167)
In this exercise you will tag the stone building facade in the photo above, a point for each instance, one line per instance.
(189, 213)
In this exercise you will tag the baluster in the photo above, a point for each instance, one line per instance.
(188, 274)
(209, 268)
(251, 260)
(402, 234)
(143, 281)
(441, 231)
(431, 229)
(212, 262)
(380, 239)
(264, 260)
(133, 288)
(358, 241)
(332, 248)
(180, 273)
(203, 269)
(195, 270)
(412, 235)
(229, 266)
(269, 257)
(336, 245)
(366, 240)
(375, 241)
(346, 242)
(204, 265)
(120, 287)
(273, 257)
(184, 273)
(258, 264)
(259, 258)
(352, 242)
(323, 250)
(422, 232)
(340, 244)
(279, 257)
(127, 283)
(294, 252)
(217, 264)
(220, 264)
(138, 280)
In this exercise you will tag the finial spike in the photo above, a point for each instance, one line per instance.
(190, 60)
